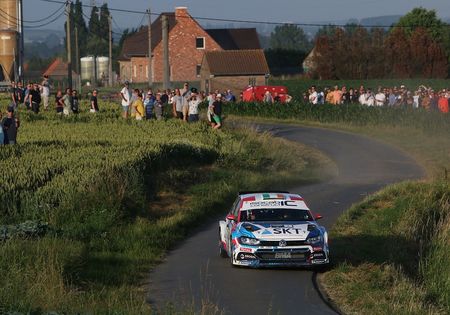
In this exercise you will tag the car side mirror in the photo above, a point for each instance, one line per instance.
(231, 217)
(318, 217)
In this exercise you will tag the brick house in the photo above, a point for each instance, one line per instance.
(188, 42)
(233, 69)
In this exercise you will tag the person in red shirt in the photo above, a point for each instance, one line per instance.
(443, 103)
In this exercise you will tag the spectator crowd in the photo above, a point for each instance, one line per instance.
(422, 97)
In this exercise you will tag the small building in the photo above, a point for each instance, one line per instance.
(309, 64)
(233, 69)
(57, 72)
(188, 42)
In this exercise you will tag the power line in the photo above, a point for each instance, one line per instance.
(250, 21)
(45, 24)
(11, 18)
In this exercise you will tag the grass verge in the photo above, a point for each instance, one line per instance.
(114, 196)
(390, 252)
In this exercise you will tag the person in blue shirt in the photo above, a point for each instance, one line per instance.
(149, 103)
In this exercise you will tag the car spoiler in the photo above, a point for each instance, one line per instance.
(263, 192)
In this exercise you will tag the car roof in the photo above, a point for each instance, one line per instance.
(272, 200)
(276, 195)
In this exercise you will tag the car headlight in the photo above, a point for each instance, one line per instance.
(314, 240)
(248, 241)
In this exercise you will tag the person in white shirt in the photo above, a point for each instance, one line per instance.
(313, 96)
(45, 91)
(380, 98)
(370, 99)
(126, 99)
(194, 102)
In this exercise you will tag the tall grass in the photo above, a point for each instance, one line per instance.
(391, 252)
(114, 195)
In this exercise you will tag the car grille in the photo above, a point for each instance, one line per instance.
(271, 255)
(277, 243)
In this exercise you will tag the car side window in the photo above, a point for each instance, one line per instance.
(235, 208)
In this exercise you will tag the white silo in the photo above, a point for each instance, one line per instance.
(87, 68)
(102, 68)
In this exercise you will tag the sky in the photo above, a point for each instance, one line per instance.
(300, 11)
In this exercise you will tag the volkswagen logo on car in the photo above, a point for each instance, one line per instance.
(282, 243)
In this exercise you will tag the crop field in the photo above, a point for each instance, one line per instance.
(91, 202)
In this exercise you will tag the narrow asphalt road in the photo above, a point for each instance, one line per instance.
(194, 274)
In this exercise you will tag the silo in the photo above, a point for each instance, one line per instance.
(8, 53)
(87, 68)
(102, 68)
(10, 28)
(10, 17)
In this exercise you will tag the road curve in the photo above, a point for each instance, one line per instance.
(193, 272)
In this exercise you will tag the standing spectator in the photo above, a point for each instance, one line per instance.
(177, 104)
(370, 98)
(380, 98)
(159, 107)
(94, 102)
(59, 102)
(2, 134)
(26, 99)
(20, 94)
(267, 98)
(194, 102)
(13, 94)
(434, 101)
(345, 96)
(392, 101)
(149, 103)
(10, 125)
(35, 98)
(126, 99)
(67, 99)
(352, 96)
(337, 96)
(186, 94)
(75, 102)
(313, 97)
(426, 101)
(329, 96)
(45, 91)
(416, 99)
(230, 97)
(138, 105)
(216, 120)
(443, 103)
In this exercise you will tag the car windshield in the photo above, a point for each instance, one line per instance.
(275, 215)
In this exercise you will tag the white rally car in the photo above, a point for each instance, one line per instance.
(266, 229)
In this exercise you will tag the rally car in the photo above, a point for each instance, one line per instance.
(265, 229)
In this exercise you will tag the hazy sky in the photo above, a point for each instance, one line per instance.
(260, 10)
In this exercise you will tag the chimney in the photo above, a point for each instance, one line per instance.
(181, 12)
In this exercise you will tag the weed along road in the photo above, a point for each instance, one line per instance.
(194, 274)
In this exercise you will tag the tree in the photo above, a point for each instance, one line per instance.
(398, 56)
(104, 19)
(376, 54)
(323, 58)
(94, 21)
(423, 18)
(80, 24)
(97, 43)
(289, 37)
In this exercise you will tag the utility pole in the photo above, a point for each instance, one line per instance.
(110, 52)
(149, 68)
(77, 57)
(165, 40)
(69, 46)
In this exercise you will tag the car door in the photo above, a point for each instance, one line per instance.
(230, 224)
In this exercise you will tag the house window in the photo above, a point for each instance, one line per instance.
(134, 71)
(141, 70)
(146, 71)
(200, 43)
(252, 81)
(198, 69)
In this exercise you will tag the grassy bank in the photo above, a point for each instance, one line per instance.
(390, 252)
(90, 203)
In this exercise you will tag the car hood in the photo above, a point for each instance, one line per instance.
(277, 230)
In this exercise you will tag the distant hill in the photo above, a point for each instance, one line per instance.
(386, 20)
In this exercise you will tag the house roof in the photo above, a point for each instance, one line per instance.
(58, 68)
(237, 62)
(235, 38)
(136, 45)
